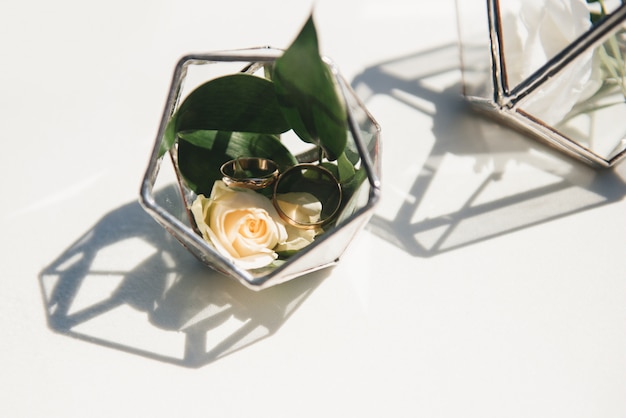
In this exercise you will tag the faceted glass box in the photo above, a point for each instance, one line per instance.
(172, 211)
(554, 69)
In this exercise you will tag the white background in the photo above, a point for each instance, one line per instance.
(489, 283)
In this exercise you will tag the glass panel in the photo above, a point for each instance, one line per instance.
(357, 191)
(368, 130)
(585, 100)
(167, 193)
(473, 25)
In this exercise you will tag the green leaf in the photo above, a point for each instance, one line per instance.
(346, 169)
(308, 95)
(238, 102)
(168, 137)
(202, 153)
(342, 169)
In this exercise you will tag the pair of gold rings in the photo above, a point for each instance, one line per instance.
(260, 173)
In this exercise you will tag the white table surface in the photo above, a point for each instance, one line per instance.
(489, 283)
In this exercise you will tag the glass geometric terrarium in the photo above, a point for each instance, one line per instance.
(174, 213)
(554, 69)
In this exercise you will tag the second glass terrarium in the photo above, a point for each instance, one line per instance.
(174, 214)
(555, 69)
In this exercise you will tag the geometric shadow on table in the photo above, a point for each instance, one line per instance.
(477, 179)
(127, 285)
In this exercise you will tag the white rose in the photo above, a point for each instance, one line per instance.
(534, 32)
(244, 226)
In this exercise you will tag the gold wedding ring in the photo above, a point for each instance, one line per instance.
(311, 185)
(249, 173)
(313, 180)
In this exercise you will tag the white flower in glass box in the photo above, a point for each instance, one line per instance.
(552, 68)
(534, 32)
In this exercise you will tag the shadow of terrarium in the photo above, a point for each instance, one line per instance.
(128, 285)
(470, 179)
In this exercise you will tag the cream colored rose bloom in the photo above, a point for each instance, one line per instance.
(244, 226)
(534, 32)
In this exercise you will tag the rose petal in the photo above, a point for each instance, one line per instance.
(256, 261)
(301, 207)
(199, 210)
